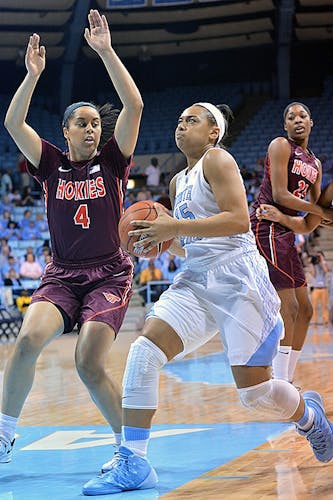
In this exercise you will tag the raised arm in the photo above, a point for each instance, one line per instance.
(279, 153)
(127, 128)
(25, 137)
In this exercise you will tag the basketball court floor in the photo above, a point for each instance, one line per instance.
(205, 445)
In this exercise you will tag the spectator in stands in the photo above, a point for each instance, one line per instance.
(11, 263)
(31, 232)
(15, 197)
(291, 171)
(172, 269)
(151, 273)
(89, 282)
(319, 287)
(130, 199)
(24, 176)
(45, 257)
(30, 268)
(12, 232)
(4, 220)
(144, 194)
(27, 217)
(27, 200)
(6, 183)
(41, 223)
(23, 301)
(153, 173)
(6, 204)
(12, 279)
(5, 251)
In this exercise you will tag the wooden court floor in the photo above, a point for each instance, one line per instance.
(282, 467)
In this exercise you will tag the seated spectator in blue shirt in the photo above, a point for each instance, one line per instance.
(27, 217)
(41, 223)
(30, 232)
(11, 263)
(6, 204)
(4, 219)
(12, 231)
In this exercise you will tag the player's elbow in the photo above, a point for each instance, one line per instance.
(278, 197)
(137, 104)
(244, 226)
(242, 223)
(10, 123)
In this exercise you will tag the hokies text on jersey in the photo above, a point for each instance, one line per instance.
(81, 190)
(307, 171)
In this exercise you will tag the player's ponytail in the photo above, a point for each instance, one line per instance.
(228, 117)
(109, 115)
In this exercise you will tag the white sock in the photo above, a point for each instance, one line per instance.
(8, 426)
(294, 356)
(281, 362)
(136, 439)
(305, 422)
(117, 439)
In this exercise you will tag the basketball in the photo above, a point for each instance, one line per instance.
(141, 210)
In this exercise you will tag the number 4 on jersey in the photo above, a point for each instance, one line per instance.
(81, 217)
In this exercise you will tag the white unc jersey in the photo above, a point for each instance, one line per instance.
(195, 200)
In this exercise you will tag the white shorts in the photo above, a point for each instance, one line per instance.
(236, 298)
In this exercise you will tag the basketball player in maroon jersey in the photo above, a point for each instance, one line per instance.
(89, 279)
(300, 224)
(291, 172)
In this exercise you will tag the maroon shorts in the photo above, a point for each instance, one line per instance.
(99, 293)
(278, 247)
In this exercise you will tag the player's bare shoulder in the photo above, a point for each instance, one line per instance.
(279, 143)
(218, 159)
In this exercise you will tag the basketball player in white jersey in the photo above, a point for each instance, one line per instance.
(225, 287)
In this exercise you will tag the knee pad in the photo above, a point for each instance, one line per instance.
(276, 397)
(141, 377)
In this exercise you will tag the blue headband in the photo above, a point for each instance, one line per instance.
(72, 107)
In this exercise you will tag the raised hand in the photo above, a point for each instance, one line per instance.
(35, 56)
(98, 34)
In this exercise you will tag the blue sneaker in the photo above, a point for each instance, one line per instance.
(109, 465)
(129, 472)
(320, 435)
(6, 450)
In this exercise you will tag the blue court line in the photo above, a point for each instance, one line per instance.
(52, 463)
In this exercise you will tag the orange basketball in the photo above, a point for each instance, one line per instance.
(141, 210)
